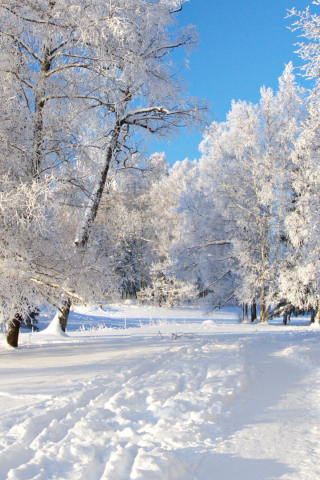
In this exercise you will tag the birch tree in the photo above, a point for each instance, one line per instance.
(155, 101)
(299, 281)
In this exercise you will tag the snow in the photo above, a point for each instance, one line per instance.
(216, 400)
(54, 327)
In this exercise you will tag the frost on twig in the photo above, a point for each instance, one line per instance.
(176, 336)
(159, 333)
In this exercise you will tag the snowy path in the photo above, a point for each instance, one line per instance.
(223, 407)
(277, 434)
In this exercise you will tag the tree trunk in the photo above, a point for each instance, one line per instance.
(94, 201)
(13, 331)
(253, 311)
(312, 316)
(318, 312)
(64, 314)
(245, 311)
(40, 102)
(264, 311)
(285, 319)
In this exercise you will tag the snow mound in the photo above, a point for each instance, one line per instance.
(129, 302)
(208, 323)
(314, 326)
(54, 327)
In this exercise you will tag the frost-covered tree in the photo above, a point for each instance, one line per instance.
(105, 61)
(247, 167)
(299, 281)
(127, 213)
(202, 242)
(153, 203)
(155, 101)
(309, 51)
(38, 262)
(165, 287)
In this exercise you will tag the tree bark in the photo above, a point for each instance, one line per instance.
(263, 312)
(253, 311)
(312, 315)
(94, 202)
(38, 112)
(13, 331)
(318, 312)
(285, 319)
(64, 314)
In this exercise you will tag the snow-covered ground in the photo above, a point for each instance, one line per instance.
(177, 396)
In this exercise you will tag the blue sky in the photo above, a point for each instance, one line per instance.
(244, 44)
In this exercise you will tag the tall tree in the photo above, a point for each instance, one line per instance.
(299, 280)
(155, 100)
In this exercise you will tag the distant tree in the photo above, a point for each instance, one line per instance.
(202, 243)
(165, 287)
(127, 214)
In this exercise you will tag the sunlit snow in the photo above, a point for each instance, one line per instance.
(174, 396)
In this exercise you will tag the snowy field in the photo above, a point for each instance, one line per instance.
(217, 400)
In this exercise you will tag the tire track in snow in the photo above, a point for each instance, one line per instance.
(151, 421)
